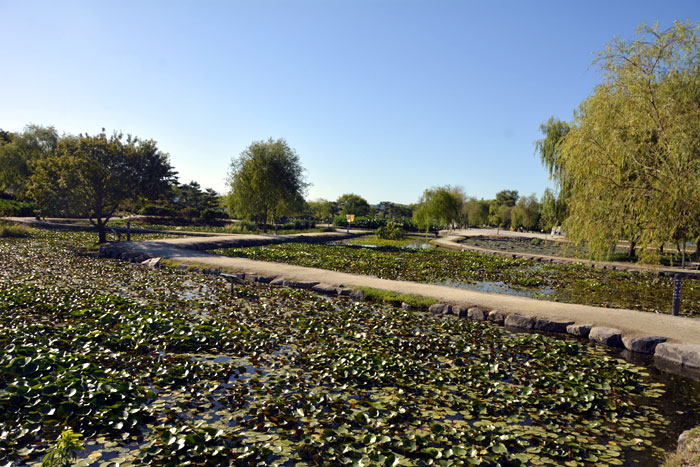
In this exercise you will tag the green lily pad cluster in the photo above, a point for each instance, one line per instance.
(570, 283)
(165, 367)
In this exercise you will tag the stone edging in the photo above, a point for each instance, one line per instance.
(684, 355)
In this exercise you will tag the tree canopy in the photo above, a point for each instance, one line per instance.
(92, 175)
(19, 151)
(440, 206)
(266, 181)
(350, 203)
(631, 158)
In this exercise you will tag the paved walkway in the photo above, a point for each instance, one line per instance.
(184, 250)
(451, 239)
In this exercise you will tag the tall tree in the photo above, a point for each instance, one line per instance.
(477, 211)
(526, 213)
(552, 157)
(92, 175)
(507, 198)
(350, 203)
(441, 206)
(19, 151)
(266, 181)
(632, 156)
(322, 209)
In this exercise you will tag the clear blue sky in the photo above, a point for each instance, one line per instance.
(380, 98)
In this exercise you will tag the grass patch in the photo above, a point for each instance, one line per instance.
(15, 231)
(375, 241)
(378, 295)
(689, 456)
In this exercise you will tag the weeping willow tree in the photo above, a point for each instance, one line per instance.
(439, 206)
(631, 159)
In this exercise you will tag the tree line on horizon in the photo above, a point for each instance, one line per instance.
(96, 176)
(626, 167)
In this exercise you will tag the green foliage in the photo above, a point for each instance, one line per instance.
(323, 210)
(65, 451)
(93, 175)
(526, 213)
(416, 302)
(440, 206)
(13, 208)
(391, 231)
(387, 209)
(500, 215)
(574, 283)
(536, 241)
(154, 210)
(241, 227)
(19, 151)
(266, 182)
(8, 230)
(631, 157)
(553, 210)
(351, 203)
(507, 198)
(477, 212)
(191, 373)
(375, 223)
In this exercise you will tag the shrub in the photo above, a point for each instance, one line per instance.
(13, 208)
(189, 213)
(13, 230)
(391, 231)
(213, 214)
(153, 210)
(297, 224)
(374, 223)
(241, 227)
(536, 241)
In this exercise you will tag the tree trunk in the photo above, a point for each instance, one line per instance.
(683, 257)
(101, 232)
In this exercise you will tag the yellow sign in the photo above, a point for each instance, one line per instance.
(350, 217)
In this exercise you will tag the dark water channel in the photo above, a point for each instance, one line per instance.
(679, 403)
(499, 287)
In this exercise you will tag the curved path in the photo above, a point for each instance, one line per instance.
(188, 251)
(451, 240)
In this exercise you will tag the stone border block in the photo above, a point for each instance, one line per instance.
(476, 314)
(607, 336)
(325, 289)
(440, 309)
(642, 344)
(497, 316)
(687, 355)
(516, 320)
(551, 325)
(579, 330)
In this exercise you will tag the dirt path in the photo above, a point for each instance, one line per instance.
(631, 322)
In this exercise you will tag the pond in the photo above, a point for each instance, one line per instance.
(269, 375)
(568, 283)
(500, 288)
